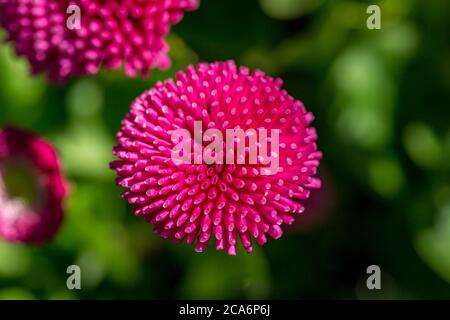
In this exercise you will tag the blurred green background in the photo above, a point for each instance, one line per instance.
(382, 105)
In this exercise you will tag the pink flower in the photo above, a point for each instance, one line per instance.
(223, 202)
(112, 33)
(32, 188)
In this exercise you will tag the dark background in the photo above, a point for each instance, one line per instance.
(381, 100)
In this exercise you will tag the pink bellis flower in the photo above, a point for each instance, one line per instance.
(67, 38)
(32, 188)
(226, 201)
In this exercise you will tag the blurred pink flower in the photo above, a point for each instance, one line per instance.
(112, 33)
(32, 188)
(196, 202)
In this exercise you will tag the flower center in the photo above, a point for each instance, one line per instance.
(19, 183)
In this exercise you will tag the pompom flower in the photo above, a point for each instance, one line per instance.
(226, 202)
(32, 188)
(67, 38)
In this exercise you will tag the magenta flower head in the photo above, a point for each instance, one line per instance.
(32, 188)
(218, 154)
(67, 38)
